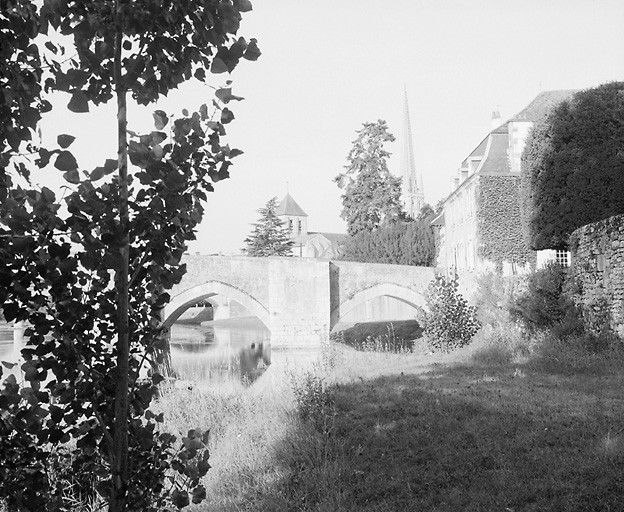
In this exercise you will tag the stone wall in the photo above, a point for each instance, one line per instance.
(598, 267)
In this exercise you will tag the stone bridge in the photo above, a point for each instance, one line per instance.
(299, 300)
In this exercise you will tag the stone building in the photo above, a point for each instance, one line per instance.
(480, 224)
(307, 244)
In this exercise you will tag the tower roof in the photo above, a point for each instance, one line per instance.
(288, 206)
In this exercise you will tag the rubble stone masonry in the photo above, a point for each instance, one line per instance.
(598, 266)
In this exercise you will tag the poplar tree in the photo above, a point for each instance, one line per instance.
(89, 272)
(270, 237)
(372, 196)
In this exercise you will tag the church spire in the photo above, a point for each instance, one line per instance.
(412, 191)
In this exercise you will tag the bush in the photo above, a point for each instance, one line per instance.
(315, 402)
(546, 305)
(450, 322)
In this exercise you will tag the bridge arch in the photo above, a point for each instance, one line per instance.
(184, 300)
(402, 293)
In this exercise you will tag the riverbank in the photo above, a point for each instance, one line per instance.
(463, 431)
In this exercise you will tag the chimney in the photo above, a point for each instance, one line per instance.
(496, 120)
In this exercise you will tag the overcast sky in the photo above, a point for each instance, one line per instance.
(327, 66)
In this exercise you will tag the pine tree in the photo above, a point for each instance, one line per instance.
(270, 237)
(372, 196)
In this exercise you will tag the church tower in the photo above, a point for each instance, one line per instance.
(412, 191)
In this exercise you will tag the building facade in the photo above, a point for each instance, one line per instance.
(480, 226)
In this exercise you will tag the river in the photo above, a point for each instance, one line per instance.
(236, 350)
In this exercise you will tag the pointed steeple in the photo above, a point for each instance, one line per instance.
(412, 190)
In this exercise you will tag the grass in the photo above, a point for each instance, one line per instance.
(488, 427)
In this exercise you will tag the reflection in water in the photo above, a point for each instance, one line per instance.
(234, 351)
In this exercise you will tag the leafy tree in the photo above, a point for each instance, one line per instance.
(372, 196)
(270, 237)
(90, 279)
(402, 243)
(573, 166)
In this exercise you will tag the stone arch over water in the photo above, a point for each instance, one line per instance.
(401, 293)
(184, 300)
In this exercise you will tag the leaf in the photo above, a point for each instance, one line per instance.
(203, 112)
(180, 498)
(185, 112)
(65, 140)
(199, 494)
(72, 177)
(8, 365)
(253, 52)
(65, 161)
(160, 119)
(226, 116)
(243, 5)
(158, 137)
(200, 74)
(157, 151)
(218, 66)
(79, 102)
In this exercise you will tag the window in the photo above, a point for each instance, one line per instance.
(562, 258)
(298, 227)
(290, 225)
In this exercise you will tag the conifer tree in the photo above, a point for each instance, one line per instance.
(372, 196)
(270, 237)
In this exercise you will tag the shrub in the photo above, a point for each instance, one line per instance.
(450, 322)
(546, 305)
(315, 402)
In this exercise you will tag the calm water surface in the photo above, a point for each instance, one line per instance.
(236, 350)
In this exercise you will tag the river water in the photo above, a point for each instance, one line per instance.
(236, 350)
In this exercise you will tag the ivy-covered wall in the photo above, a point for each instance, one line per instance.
(598, 268)
(498, 221)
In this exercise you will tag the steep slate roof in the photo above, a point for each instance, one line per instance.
(288, 206)
(542, 104)
(496, 159)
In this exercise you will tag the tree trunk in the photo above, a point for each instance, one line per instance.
(119, 455)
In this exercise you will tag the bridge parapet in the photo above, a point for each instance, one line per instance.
(299, 300)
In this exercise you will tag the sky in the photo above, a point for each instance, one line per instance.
(328, 66)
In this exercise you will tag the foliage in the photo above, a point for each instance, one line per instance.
(398, 336)
(450, 322)
(572, 166)
(546, 305)
(498, 220)
(89, 272)
(270, 236)
(372, 196)
(401, 243)
(314, 400)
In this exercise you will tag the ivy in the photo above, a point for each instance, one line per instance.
(499, 222)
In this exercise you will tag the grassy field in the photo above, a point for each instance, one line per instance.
(479, 429)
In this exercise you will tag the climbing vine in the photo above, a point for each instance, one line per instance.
(498, 219)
